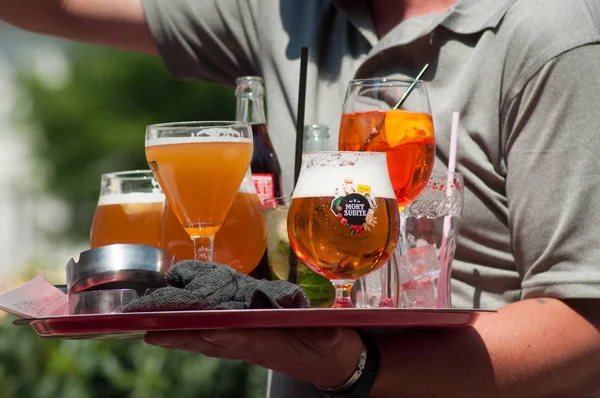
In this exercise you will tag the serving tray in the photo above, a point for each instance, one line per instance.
(135, 325)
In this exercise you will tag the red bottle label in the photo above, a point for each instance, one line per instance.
(265, 188)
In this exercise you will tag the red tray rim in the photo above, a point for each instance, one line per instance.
(304, 311)
(135, 325)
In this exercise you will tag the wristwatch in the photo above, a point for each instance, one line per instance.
(359, 384)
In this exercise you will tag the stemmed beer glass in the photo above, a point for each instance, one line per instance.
(200, 166)
(343, 219)
(391, 116)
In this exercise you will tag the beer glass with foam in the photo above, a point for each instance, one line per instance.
(343, 219)
(129, 210)
(200, 166)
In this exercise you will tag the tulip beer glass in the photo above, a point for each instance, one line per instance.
(129, 210)
(241, 240)
(343, 219)
(200, 166)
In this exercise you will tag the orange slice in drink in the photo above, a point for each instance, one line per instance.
(401, 127)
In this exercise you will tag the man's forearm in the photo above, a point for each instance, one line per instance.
(32, 15)
(113, 23)
(534, 348)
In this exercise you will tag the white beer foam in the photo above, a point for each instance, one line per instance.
(205, 135)
(131, 198)
(322, 173)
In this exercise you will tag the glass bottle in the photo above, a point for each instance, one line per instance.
(316, 138)
(266, 170)
(265, 167)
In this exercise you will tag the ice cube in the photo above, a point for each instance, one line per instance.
(419, 294)
(423, 262)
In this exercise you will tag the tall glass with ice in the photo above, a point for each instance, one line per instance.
(343, 219)
(431, 223)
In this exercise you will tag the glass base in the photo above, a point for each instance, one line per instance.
(343, 294)
(345, 302)
(386, 303)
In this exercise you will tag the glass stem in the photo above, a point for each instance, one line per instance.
(343, 294)
(387, 286)
(203, 248)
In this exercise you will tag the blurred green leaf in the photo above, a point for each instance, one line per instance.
(95, 123)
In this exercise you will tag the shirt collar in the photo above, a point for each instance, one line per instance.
(473, 16)
(465, 17)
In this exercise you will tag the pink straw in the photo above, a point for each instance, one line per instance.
(443, 287)
(453, 142)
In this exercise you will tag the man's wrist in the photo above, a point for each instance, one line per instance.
(360, 382)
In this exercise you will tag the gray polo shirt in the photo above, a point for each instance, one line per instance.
(525, 75)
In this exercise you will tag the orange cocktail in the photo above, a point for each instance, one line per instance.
(406, 137)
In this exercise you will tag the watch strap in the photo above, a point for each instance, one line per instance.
(359, 384)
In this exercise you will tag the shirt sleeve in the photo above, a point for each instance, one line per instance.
(212, 40)
(552, 130)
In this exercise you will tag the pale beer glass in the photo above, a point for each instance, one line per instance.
(129, 210)
(241, 240)
(343, 220)
(200, 166)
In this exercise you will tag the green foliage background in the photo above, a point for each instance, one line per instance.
(95, 123)
(92, 125)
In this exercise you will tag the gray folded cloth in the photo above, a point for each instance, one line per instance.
(195, 285)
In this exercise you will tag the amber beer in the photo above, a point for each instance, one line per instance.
(241, 240)
(199, 177)
(343, 221)
(329, 249)
(128, 218)
(407, 138)
(129, 210)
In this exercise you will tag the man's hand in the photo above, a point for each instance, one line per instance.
(326, 357)
(530, 349)
(113, 23)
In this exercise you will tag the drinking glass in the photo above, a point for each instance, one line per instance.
(370, 123)
(200, 166)
(129, 209)
(241, 240)
(431, 223)
(391, 116)
(343, 219)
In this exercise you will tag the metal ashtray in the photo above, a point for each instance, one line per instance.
(100, 301)
(119, 266)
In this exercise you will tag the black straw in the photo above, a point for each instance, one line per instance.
(300, 117)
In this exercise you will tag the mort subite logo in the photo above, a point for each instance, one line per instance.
(355, 207)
